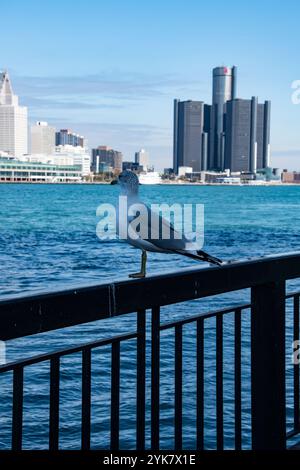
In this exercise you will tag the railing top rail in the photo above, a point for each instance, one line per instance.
(21, 316)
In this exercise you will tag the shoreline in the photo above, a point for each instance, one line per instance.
(106, 183)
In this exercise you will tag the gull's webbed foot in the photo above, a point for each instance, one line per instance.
(137, 275)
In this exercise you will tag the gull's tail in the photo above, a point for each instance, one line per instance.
(201, 256)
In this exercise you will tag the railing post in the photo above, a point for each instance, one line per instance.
(268, 366)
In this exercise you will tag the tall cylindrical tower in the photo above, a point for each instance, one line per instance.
(224, 89)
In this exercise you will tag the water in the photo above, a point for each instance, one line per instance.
(48, 242)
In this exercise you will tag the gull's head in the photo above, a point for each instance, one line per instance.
(129, 182)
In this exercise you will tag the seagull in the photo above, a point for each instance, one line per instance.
(153, 242)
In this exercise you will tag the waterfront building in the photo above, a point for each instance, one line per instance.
(190, 144)
(292, 177)
(64, 155)
(42, 138)
(247, 130)
(107, 155)
(183, 170)
(79, 155)
(142, 159)
(13, 120)
(14, 170)
(67, 137)
(59, 160)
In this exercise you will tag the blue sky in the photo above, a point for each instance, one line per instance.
(110, 69)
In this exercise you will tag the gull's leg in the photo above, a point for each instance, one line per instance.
(143, 266)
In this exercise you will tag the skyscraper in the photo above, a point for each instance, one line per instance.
(247, 126)
(13, 120)
(42, 138)
(224, 89)
(190, 135)
(142, 158)
(263, 134)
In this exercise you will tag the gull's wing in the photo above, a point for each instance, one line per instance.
(163, 235)
(157, 231)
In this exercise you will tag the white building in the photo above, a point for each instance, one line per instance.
(13, 120)
(62, 156)
(42, 138)
(54, 159)
(15, 170)
(142, 158)
(79, 155)
(183, 170)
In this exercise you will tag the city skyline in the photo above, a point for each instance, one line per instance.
(120, 93)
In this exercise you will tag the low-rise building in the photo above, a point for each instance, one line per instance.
(14, 170)
(132, 166)
(64, 155)
(183, 170)
(292, 177)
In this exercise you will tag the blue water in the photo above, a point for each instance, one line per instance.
(48, 241)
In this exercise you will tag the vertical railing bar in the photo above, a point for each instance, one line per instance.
(219, 381)
(200, 384)
(141, 380)
(155, 373)
(296, 366)
(115, 396)
(237, 379)
(86, 400)
(268, 374)
(178, 387)
(17, 419)
(54, 404)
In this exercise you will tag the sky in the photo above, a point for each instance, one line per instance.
(110, 69)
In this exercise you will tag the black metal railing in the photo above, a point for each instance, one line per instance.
(295, 296)
(266, 277)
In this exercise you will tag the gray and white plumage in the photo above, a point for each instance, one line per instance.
(154, 241)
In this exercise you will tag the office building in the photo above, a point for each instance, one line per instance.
(13, 120)
(107, 155)
(42, 138)
(142, 158)
(67, 137)
(190, 145)
(223, 90)
(247, 130)
(229, 134)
